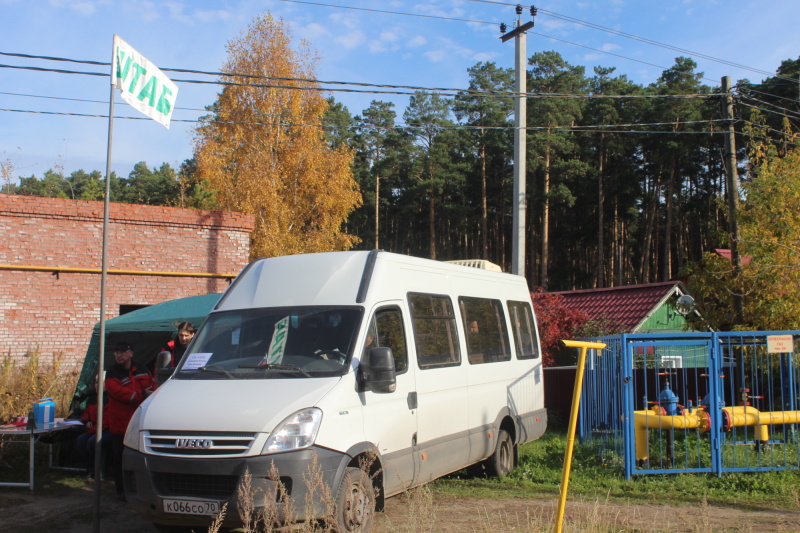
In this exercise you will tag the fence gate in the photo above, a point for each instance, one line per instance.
(694, 402)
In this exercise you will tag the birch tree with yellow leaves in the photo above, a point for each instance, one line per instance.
(263, 150)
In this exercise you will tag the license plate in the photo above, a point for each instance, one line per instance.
(195, 507)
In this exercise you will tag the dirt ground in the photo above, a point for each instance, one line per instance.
(70, 510)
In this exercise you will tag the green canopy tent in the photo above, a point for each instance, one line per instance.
(147, 329)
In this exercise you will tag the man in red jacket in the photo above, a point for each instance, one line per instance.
(128, 384)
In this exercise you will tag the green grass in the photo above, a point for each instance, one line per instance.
(541, 466)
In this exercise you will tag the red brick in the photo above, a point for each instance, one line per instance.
(56, 312)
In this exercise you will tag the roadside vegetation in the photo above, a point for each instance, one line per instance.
(35, 377)
(598, 487)
(540, 469)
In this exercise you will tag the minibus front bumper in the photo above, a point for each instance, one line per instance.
(172, 490)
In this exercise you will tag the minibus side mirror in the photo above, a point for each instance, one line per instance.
(378, 373)
(163, 368)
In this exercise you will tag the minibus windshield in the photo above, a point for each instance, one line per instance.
(285, 342)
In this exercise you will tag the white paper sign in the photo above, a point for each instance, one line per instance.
(780, 344)
(196, 360)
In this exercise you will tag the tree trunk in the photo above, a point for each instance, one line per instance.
(546, 218)
(377, 211)
(600, 221)
(432, 218)
(484, 207)
(666, 259)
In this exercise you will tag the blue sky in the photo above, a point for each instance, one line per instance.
(359, 45)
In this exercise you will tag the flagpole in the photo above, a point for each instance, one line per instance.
(98, 455)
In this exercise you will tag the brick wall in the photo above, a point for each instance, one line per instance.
(46, 304)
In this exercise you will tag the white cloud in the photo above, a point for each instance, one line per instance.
(385, 42)
(143, 9)
(313, 30)
(82, 7)
(176, 12)
(485, 56)
(436, 56)
(434, 11)
(609, 47)
(419, 40)
(213, 15)
(351, 40)
(389, 37)
(345, 20)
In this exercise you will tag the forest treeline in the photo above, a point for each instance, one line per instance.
(625, 182)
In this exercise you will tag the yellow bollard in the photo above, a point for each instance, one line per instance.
(573, 422)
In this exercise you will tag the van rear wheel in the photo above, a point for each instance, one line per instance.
(501, 462)
(355, 502)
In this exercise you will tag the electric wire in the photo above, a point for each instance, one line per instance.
(793, 112)
(382, 11)
(769, 111)
(747, 89)
(435, 90)
(607, 128)
(567, 18)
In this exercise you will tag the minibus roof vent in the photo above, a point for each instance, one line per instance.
(477, 263)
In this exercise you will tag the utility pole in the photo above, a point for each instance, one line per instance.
(733, 197)
(520, 137)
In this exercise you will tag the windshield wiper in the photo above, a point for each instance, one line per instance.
(217, 370)
(281, 367)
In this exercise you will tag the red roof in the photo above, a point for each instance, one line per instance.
(629, 304)
(726, 254)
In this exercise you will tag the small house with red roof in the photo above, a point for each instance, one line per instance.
(647, 308)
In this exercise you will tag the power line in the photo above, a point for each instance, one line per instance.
(433, 90)
(382, 11)
(576, 129)
(793, 112)
(747, 88)
(768, 111)
(567, 18)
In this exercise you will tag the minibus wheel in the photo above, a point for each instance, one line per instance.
(355, 502)
(501, 462)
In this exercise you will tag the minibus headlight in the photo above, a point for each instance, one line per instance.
(132, 433)
(296, 432)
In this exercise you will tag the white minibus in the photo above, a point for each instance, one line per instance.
(383, 371)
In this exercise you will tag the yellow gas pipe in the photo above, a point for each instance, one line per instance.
(699, 418)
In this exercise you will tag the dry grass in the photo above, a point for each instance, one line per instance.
(22, 384)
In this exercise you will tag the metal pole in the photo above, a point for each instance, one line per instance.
(98, 450)
(573, 422)
(520, 153)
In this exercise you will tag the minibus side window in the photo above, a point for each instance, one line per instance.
(435, 334)
(485, 326)
(524, 330)
(386, 329)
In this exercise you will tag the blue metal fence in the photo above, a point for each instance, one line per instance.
(693, 402)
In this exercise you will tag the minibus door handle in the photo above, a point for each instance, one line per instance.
(412, 400)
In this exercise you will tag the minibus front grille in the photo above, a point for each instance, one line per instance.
(194, 444)
(195, 485)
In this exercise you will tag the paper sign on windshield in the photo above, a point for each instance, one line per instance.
(196, 360)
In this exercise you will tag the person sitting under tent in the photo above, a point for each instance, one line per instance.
(177, 346)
